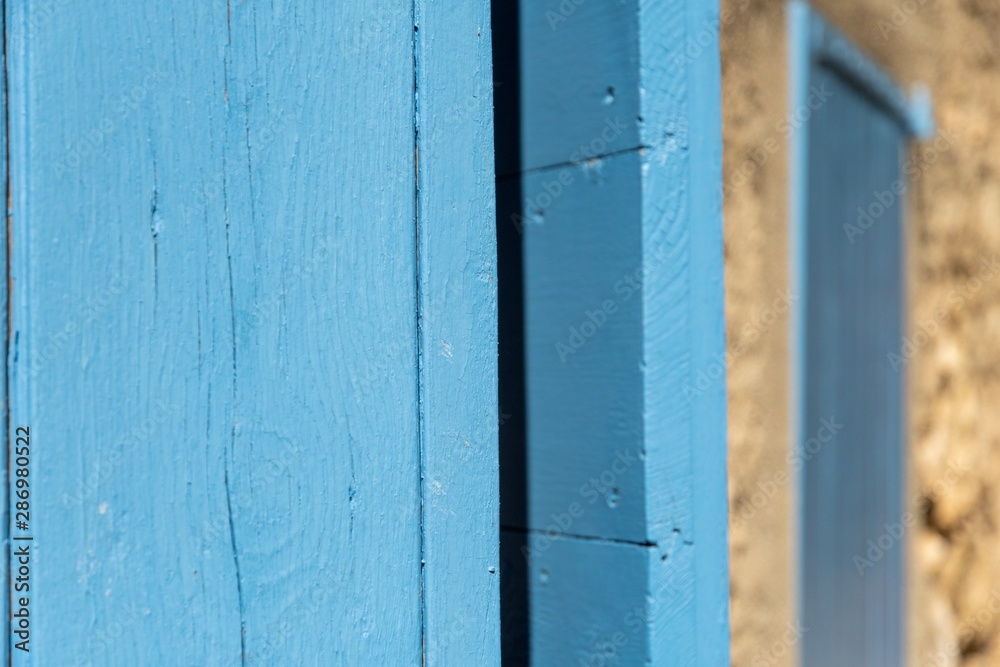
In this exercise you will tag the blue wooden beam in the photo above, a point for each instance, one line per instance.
(457, 286)
(625, 521)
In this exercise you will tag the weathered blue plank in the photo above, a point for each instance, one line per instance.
(105, 368)
(217, 270)
(622, 251)
(456, 222)
(321, 229)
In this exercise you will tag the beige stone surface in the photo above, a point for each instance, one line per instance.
(954, 370)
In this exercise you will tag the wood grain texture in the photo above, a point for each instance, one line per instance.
(584, 344)
(626, 450)
(458, 333)
(218, 283)
(690, 133)
(577, 65)
(589, 589)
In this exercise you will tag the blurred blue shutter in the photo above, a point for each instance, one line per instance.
(850, 128)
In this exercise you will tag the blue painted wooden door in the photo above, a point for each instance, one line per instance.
(251, 328)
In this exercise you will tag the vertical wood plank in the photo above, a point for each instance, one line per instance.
(324, 463)
(458, 333)
(107, 363)
(621, 219)
(233, 335)
(5, 304)
(709, 442)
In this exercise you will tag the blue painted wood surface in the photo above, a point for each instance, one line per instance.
(848, 271)
(5, 306)
(458, 333)
(254, 339)
(852, 487)
(623, 519)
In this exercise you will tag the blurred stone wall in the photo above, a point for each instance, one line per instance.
(953, 344)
